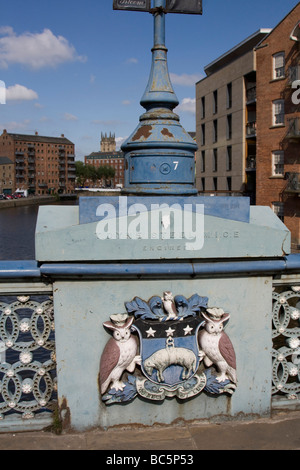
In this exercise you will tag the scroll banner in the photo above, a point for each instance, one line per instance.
(193, 7)
(135, 5)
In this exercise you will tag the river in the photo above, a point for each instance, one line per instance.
(17, 232)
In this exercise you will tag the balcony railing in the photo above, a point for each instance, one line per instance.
(293, 184)
(251, 163)
(294, 74)
(251, 129)
(251, 94)
(293, 132)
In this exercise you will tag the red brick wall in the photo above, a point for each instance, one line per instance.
(270, 138)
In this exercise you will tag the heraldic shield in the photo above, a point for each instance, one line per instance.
(169, 350)
(169, 339)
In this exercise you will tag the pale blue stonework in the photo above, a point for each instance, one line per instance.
(111, 272)
(264, 236)
(82, 307)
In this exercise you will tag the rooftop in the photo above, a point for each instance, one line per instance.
(237, 51)
(39, 138)
(99, 155)
(5, 161)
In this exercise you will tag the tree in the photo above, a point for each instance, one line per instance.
(80, 173)
(92, 173)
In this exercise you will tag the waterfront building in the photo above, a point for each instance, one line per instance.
(42, 164)
(248, 122)
(278, 122)
(225, 122)
(108, 156)
(7, 175)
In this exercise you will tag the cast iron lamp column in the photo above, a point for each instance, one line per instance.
(160, 154)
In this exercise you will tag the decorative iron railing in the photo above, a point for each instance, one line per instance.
(28, 388)
(27, 353)
(286, 342)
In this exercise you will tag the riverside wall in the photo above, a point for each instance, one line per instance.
(27, 201)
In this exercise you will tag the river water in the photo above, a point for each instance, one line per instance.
(17, 232)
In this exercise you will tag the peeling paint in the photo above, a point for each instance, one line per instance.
(167, 133)
(143, 132)
(65, 414)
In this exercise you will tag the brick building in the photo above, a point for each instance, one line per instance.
(42, 165)
(7, 175)
(225, 122)
(108, 156)
(278, 122)
(248, 122)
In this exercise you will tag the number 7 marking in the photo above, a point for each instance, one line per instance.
(176, 165)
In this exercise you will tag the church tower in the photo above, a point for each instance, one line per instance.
(108, 143)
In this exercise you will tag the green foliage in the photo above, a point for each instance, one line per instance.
(86, 174)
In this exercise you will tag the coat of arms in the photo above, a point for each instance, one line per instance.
(168, 346)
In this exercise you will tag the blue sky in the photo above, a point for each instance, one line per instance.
(81, 68)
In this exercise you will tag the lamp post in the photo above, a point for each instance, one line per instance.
(159, 154)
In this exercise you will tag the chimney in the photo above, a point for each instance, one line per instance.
(36, 133)
(62, 135)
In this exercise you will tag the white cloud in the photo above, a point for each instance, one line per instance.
(35, 50)
(70, 117)
(20, 93)
(15, 125)
(132, 60)
(126, 102)
(185, 79)
(187, 105)
(119, 141)
(109, 123)
(45, 119)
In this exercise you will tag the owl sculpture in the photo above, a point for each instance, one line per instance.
(169, 306)
(120, 354)
(216, 347)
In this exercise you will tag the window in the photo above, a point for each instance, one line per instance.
(215, 183)
(203, 107)
(229, 158)
(229, 95)
(278, 112)
(215, 102)
(215, 160)
(278, 209)
(203, 184)
(203, 134)
(202, 161)
(278, 163)
(215, 131)
(229, 183)
(229, 127)
(278, 65)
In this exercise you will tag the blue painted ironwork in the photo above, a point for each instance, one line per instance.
(160, 154)
(224, 207)
(28, 392)
(21, 269)
(286, 342)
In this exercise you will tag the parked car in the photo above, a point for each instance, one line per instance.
(2, 197)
